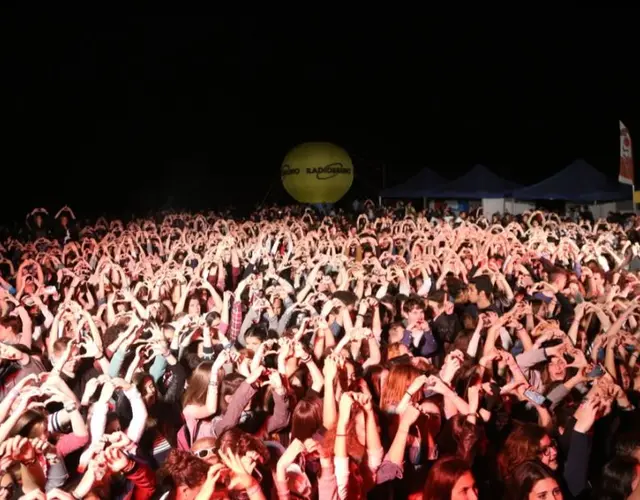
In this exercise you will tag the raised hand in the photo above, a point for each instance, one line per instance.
(241, 478)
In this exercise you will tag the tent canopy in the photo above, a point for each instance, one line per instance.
(477, 183)
(580, 182)
(420, 185)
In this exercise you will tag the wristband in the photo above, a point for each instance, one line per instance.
(213, 383)
(131, 466)
(408, 394)
(70, 407)
(305, 360)
(29, 463)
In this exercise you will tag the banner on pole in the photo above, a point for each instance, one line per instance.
(626, 175)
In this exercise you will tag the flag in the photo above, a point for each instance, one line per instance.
(626, 157)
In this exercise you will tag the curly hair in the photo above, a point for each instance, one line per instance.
(241, 442)
(184, 469)
(522, 445)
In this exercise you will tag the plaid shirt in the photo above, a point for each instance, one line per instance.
(236, 321)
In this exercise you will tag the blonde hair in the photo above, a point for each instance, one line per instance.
(198, 385)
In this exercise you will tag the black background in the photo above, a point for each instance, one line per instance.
(118, 113)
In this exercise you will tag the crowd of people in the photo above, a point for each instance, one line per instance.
(290, 354)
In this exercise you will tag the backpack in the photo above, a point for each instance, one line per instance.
(185, 439)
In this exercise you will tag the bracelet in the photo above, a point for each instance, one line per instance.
(75, 495)
(29, 463)
(130, 467)
(254, 489)
(341, 435)
(410, 394)
(70, 407)
(213, 383)
(305, 360)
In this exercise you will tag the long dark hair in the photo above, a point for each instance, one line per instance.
(461, 438)
(306, 418)
(617, 479)
(442, 478)
(524, 477)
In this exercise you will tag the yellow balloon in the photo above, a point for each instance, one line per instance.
(317, 172)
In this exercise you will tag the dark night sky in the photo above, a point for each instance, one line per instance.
(114, 113)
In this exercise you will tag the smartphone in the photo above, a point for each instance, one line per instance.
(630, 348)
(597, 372)
(536, 398)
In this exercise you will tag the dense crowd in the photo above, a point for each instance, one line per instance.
(391, 354)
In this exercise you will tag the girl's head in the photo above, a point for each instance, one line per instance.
(113, 423)
(228, 387)
(462, 439)
(557, 369)
(9, 328)
(375, 378)
(620, 478)
(252, 451)
(450, 479)
(306, 418)
(7, 485)
(198, 385)
(194, 308)
(277, 306)
(400, 378)
(532, 480)
(396, 350)
(396, 332)
(184, 473)
(255, 336)
(32, 424)
(147, 388)
(527, 442)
